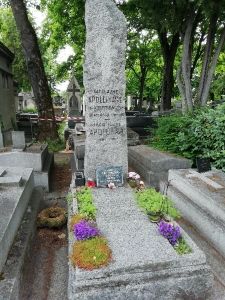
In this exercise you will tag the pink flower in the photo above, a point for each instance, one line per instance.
(111, 185)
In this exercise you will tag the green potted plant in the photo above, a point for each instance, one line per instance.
(156, 205)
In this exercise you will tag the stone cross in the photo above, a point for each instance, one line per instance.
(75, 100)
(104, 82)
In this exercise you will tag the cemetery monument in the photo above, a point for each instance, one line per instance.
(144, 265)
(104, 81)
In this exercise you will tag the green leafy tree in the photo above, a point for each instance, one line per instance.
(142, 61)
(208, 18)
(167, 19)
(35, 69)
(65, 29)
(10, 37)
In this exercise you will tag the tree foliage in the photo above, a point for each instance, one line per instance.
(10, 37)
(199, 134)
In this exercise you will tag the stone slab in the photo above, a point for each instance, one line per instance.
(2, 171)
(157, 161)
(79, 164)
(132, 137)
(11, 181)
(30, 158)
(18, 139)
(13, 203)
(200, 203)
(199, 192)
(153, 165)
(105, 84)
(10, 287)
(145, 265)
(43, 178)
(203, 177)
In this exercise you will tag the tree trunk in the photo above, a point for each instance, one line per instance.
(141, 87)
(36, 70)
(169, 53)
(186, 62)
(181, 89)
(207, 55)
(211, 69)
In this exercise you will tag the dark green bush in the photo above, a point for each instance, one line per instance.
(200, 134)
(168, 128)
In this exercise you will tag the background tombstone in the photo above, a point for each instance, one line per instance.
(104, 81)
(18, 140)
(74, 98)
(1, 140)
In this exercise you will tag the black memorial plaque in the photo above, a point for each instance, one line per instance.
(106, 175)
(203, 164)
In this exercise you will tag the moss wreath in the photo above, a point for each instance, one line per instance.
(52, 217)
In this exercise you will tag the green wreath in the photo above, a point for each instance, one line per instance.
(52, 217)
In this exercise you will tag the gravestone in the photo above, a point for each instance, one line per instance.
(104, 81)
(1, 140)
(18, 140)
(74, 101)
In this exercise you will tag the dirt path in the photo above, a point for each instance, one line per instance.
(46, 271)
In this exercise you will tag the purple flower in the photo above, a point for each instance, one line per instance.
(170, 232)
(85, 230)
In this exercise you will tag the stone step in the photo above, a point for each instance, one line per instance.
(200, 192)
(13, 203)
(145, 265)
(200, 211)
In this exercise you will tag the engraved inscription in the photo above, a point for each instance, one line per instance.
(107, 106)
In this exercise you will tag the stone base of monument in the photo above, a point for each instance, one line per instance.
(13, 203)
(79, 146)
(200, 198)
(20, 251)
(153, 165)
(144, 264)
(36, 157)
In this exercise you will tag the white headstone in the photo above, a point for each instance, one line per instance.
(129, 102)
(104, 81)
(1, 140)
(18, 140)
